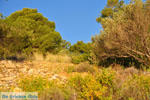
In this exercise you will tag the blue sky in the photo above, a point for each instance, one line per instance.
(75, 19)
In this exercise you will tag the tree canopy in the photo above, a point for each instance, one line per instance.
(80, 47)
(108, 11)
(29, 31)
(126, 34)
(80, 51)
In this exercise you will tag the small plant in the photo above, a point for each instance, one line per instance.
(106, 77)
(32, 84)
(84, 67)
(137, 88)
(76, 59)
(88, 88)
(47, 89)
(56, 93)
(70, 69)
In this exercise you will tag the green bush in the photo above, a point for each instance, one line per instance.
(88, 88)
(78, 58)
(70, 69)
(106, 77)
(80, 52)
(32, 84)
(47, 89)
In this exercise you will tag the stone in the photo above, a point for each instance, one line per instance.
(32, 71)
(7, 79)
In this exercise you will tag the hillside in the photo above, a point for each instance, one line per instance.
(109, 83)
(114, 65)
(11, 70)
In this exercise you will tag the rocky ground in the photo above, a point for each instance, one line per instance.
(10, 71)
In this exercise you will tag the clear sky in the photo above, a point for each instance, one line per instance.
(74, 19)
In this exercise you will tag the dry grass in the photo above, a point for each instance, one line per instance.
(52, 58)
(125, 83)
(58, 58)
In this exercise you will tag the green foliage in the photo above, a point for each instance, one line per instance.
(48, 90)
(112, 3)
(70, 69)
(106, 77)
(32, 84)
(1, 16)
(65, 44)
(102, 84)
(124, 38)
(80, 47)
(80, 52)
(28, 31)
(77, 58)
(127, 62)
(88, 88)
(107, 12)
(112, 7)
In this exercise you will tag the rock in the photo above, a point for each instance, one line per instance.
(54, 77)
(23, 70)
(7, 79)
(32, 71)
(11, 66)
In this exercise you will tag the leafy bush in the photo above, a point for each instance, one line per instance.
(32, 84)
(78, 58)
(84, 67)
(80, 52)
(48, 90)
(27, 31)
(104, 84)
(125, 34)
(70, 69)
(88, 88)
(106, 77)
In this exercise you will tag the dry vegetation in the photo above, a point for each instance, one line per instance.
(64, 72)
(58, 80)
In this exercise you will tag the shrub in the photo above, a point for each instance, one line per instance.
(70, 69)
(88, 88)
(106, 77)
(47, 89)
(136, 87)
(125, 34)
(78, 58)
(84, 67)
(32, 84)
(56, 93)
(80, 52)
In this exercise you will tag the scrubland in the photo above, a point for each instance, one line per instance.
(56, 78)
